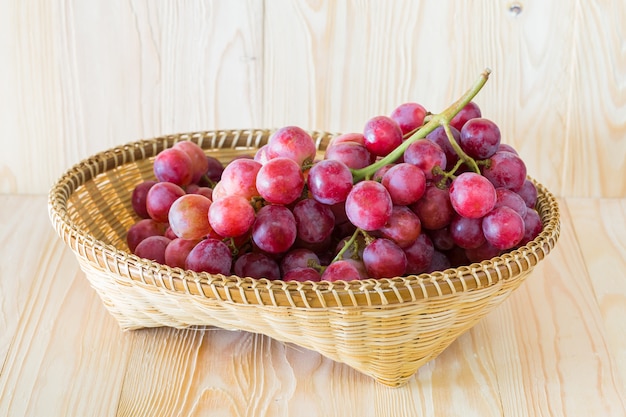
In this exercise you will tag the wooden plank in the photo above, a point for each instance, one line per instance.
(62, 353)
(85, 78)
(600, 228)
(344, 62)
(551, 350)
(596, 121)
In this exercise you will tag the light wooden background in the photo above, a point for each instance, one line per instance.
(79, 77)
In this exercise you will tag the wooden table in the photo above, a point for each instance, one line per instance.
(556, 347)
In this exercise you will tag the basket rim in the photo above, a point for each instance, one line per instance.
(123, 265)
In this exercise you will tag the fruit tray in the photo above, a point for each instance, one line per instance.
(385, 328)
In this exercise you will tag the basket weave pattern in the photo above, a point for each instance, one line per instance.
(384, 328)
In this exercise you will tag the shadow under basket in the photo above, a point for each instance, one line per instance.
(384, 328)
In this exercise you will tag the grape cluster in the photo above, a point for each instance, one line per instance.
(380, 204)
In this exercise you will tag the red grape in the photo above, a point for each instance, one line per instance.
(409, 116)
(138, 198)
(403, 227)
(506, 170)
(470, 111)
(199, 162)
(434, 208)
(348, 137)
(231, 216)
(439, 262)
(330, 181)
(256, 265)
(141, 230)
(344, 270)
(426, 155)
(472, 195)
(274, 230)
(480, 138)
(419, 255)
(528, 192)
(315, 221)
(292, 142)
(467, 233)
(405, 183)
(503, 227)
(210, 255)
(508, 198)
(439, 137)
(173, 165)
(298, 258)
(382, 135)
(302, 274)
(189, 216)
(384, 259)
(153, 248)
(532, 226)
(177, 251)
(280, 181)
(353, 154)
(160, 198)
(368, 205)
(239, 178)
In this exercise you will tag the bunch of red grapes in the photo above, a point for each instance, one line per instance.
(378, 205)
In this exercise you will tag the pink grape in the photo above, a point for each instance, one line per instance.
(419, 255)
(315, 221)
(434, 208)
(153, 248)
(292, 142)
(196, 189)
(188, 216)
(506, 170)
(403, 226)
(480, 138)
(353, 154)
(210, 255)
(141, 230)
(256, 265)
(274, 230)
(177, 251)
(405, 183)
(330, 181)
(470, 111)
(369, 205)
(384, 259)
(409, 116)
(503, 227)
(160, 198)
(138, 198)
(239, 178)
(199, 162)
(231, 216)
(382, 135)
(280, 181)
(426, 155)
(505, 147)
(472, 195)
(173, 165)
(344, 270)
(262, 154)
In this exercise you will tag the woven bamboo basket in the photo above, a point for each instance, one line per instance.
(384, 328)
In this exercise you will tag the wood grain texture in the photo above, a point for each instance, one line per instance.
(83, 78)
(555, 347)
(605, 221)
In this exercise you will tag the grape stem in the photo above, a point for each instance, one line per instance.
(436, 120)
(469, 161)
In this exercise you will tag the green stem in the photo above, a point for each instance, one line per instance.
(435, 121)
(349, 243)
